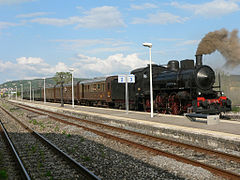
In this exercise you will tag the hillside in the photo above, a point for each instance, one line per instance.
(36, 83)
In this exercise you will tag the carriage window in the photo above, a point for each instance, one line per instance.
(98, 86)
(108, 86)
(94, 87)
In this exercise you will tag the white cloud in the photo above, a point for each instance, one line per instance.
(30, 60)
(5, 65)
(100, 17)
(160, 18)
(55, 21)
(108, 49)
(85, 66)
(7, 24)
(210, 9)
(32, 14)
(114, 64)
(143, 6)
(3, 2)
(59, 67)
(94, 45)
(30, 67)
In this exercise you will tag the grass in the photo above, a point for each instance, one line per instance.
(41, 125)
(85, 158)
(102, 151)
(56, 128)
(49, 174)
(34, 149)
(82, 139)
(39, 165)
(3, 174)
(235, 109)
(35, 122)
(42, 154)
(21, 114)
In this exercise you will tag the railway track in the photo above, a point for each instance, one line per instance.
(15, 167)
(218, 171)
(31, 147)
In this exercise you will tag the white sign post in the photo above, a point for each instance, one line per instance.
(126, 79)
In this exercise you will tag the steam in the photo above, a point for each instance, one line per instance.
(227, 43)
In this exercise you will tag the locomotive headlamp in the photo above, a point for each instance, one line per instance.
(199, 93)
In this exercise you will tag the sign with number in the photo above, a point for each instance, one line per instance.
(130, 78)
(121, 78)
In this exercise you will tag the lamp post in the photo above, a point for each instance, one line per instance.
(149, 45)
(33, 94)
(21, 91)
(71, 70)
(30, 91)
(44, 90)
(16, 92)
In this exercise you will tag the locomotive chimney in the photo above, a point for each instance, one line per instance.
(198, 60)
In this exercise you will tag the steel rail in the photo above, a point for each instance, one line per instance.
(164, 140)
(13, 150)
(83, 170)
(214, 170)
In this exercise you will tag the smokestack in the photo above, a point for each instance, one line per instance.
(198, 60)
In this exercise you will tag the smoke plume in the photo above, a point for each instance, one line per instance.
(227, 43)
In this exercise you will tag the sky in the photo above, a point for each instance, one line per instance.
(99, 38)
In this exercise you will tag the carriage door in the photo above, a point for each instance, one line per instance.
(82, 90)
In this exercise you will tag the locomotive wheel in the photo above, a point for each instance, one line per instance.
(174, 104)
(147, 106)
(161, 103)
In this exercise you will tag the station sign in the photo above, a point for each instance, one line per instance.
(130, 78)
(121, 78)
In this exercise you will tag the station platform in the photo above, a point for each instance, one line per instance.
(225, 133)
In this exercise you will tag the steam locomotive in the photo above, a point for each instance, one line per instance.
(177, 88)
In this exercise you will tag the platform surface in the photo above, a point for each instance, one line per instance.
(226, 128)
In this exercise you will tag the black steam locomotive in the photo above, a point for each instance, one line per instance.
(178, 89)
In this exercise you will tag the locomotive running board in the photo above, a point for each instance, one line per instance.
(210, 119)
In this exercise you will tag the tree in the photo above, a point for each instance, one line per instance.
(62, 78)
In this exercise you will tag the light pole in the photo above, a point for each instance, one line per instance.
(71, 70)
(33, 94)
(16, 92)
(44, 90)
(21, 91)
(8, 93)
(30, 83)
(149, 45)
